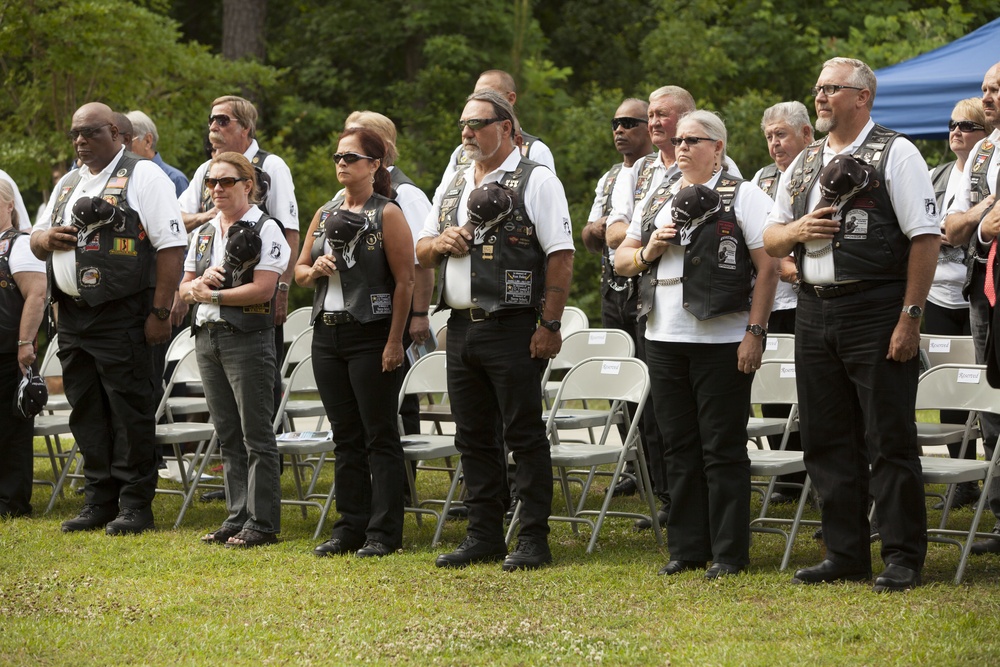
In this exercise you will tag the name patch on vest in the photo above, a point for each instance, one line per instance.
(123, 246)
(727, 253)
(381, 304)
(517, 286)
(89, 277)
(856, 225)
(258, 309)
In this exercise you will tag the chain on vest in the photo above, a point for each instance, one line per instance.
(717, 267)
(870, 244)
(768, 180)
(508, 268)
(263, 185)
(115, 261)
(11, 299)
(368, 286)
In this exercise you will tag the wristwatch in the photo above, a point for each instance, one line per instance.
(913, 311)
(756, 329)
(161, 313)
(282, 287)
(551, 325)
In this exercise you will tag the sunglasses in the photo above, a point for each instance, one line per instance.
(222, 120)
(475, 124)
(226, 182)
(690, 141)
(350, 158)
(965, 126)
(86, 132)
(626, 122)
(831, 89)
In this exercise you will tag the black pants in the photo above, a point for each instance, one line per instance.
(360, 401)
(109, 382)
(857, 409)
(16, 449)
(491, 376)
(783, 321)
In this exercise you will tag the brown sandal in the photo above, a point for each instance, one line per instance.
(249, 538)
(220, 536)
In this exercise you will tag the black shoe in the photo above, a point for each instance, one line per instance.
(528, 555)
(818, 535)
(131, 521)
(473, 550)
(373, 548)
(625, 487)
(645, 524)
(991, 545)
(896, 578)
(458, 513)
(829, 572)
(212, 495)
(782, 498)
(90, 517)
(678, 566)
(966, 495)
(719, 570)
(334, 547)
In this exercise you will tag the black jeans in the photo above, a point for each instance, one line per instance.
(360, 401)
(856, 409)
(491, 376)
(109, 380)
(702, 403)
(16, 450)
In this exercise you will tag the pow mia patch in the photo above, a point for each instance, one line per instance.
(930, 205)
(275, 251)
(727, 253)
(856, 225)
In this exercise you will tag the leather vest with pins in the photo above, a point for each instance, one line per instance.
(611, 282)
(11, 300)
(397, 178)
(116, 261)
(368, 286)
(644, 174)
(244, 318)
(768, 180)
(508, 268)
(263, 186)
(717, 268)
(975, 259)
(869, 245)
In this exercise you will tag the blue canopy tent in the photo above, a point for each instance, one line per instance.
(916, 96)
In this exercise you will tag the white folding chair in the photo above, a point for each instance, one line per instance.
(573, 320)
(773, 382)
(779, 346)
(296, 322)
(51, 367)
(618, 381)
(189, 374)
(429, 376)
(937, 349)
(298, 406)
(959, 387)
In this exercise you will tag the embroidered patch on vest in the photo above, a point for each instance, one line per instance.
(122, 245)
(517, 287)
(856, 225)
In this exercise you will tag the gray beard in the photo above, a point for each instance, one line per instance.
(825, 125)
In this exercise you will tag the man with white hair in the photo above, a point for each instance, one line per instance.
(145, 140)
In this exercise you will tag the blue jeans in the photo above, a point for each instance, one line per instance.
(856, 408)
(360, 401)
(237, 372)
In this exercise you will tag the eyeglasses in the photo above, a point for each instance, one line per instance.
(226, 182)
(475, 124)
(626, 122)
(690, 141)
(831, 89)
(222, 120)
(350, 158)
(86, 132)
(965, 126)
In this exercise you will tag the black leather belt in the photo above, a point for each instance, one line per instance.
(478, 314)
(219, 324)
(833, 291)
(333, 318)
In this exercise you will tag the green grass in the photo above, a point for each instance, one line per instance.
(165, 598)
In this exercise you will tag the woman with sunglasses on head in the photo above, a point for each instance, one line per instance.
(947, 309)
(230, 278)
(698, 243)
(360, 261)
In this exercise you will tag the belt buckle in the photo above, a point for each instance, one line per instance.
(818, 289)
(472, 315)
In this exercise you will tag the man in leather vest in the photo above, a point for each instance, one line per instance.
(866, 264)
(498, 281)
(113, 281)
(973, 219)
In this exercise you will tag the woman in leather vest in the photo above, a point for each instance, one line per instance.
(695, 249)
(360, 261)
(230, 275)
(22, 302)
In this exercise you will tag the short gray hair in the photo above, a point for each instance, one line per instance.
(793, 113)
(714, 128)
(143, 125)
(861, 75)
(501, 107)
(683, 101)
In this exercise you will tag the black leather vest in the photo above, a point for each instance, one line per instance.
(870, 245)
(368, 286)
(508, 269)
(611, 282)
(245, 318)
(718, 271)
(397, 178)
(768, 180)
(11, 300)
(118, 260)
(975, 258)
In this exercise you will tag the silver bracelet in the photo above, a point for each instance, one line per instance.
(216, 297)
(25, 342)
